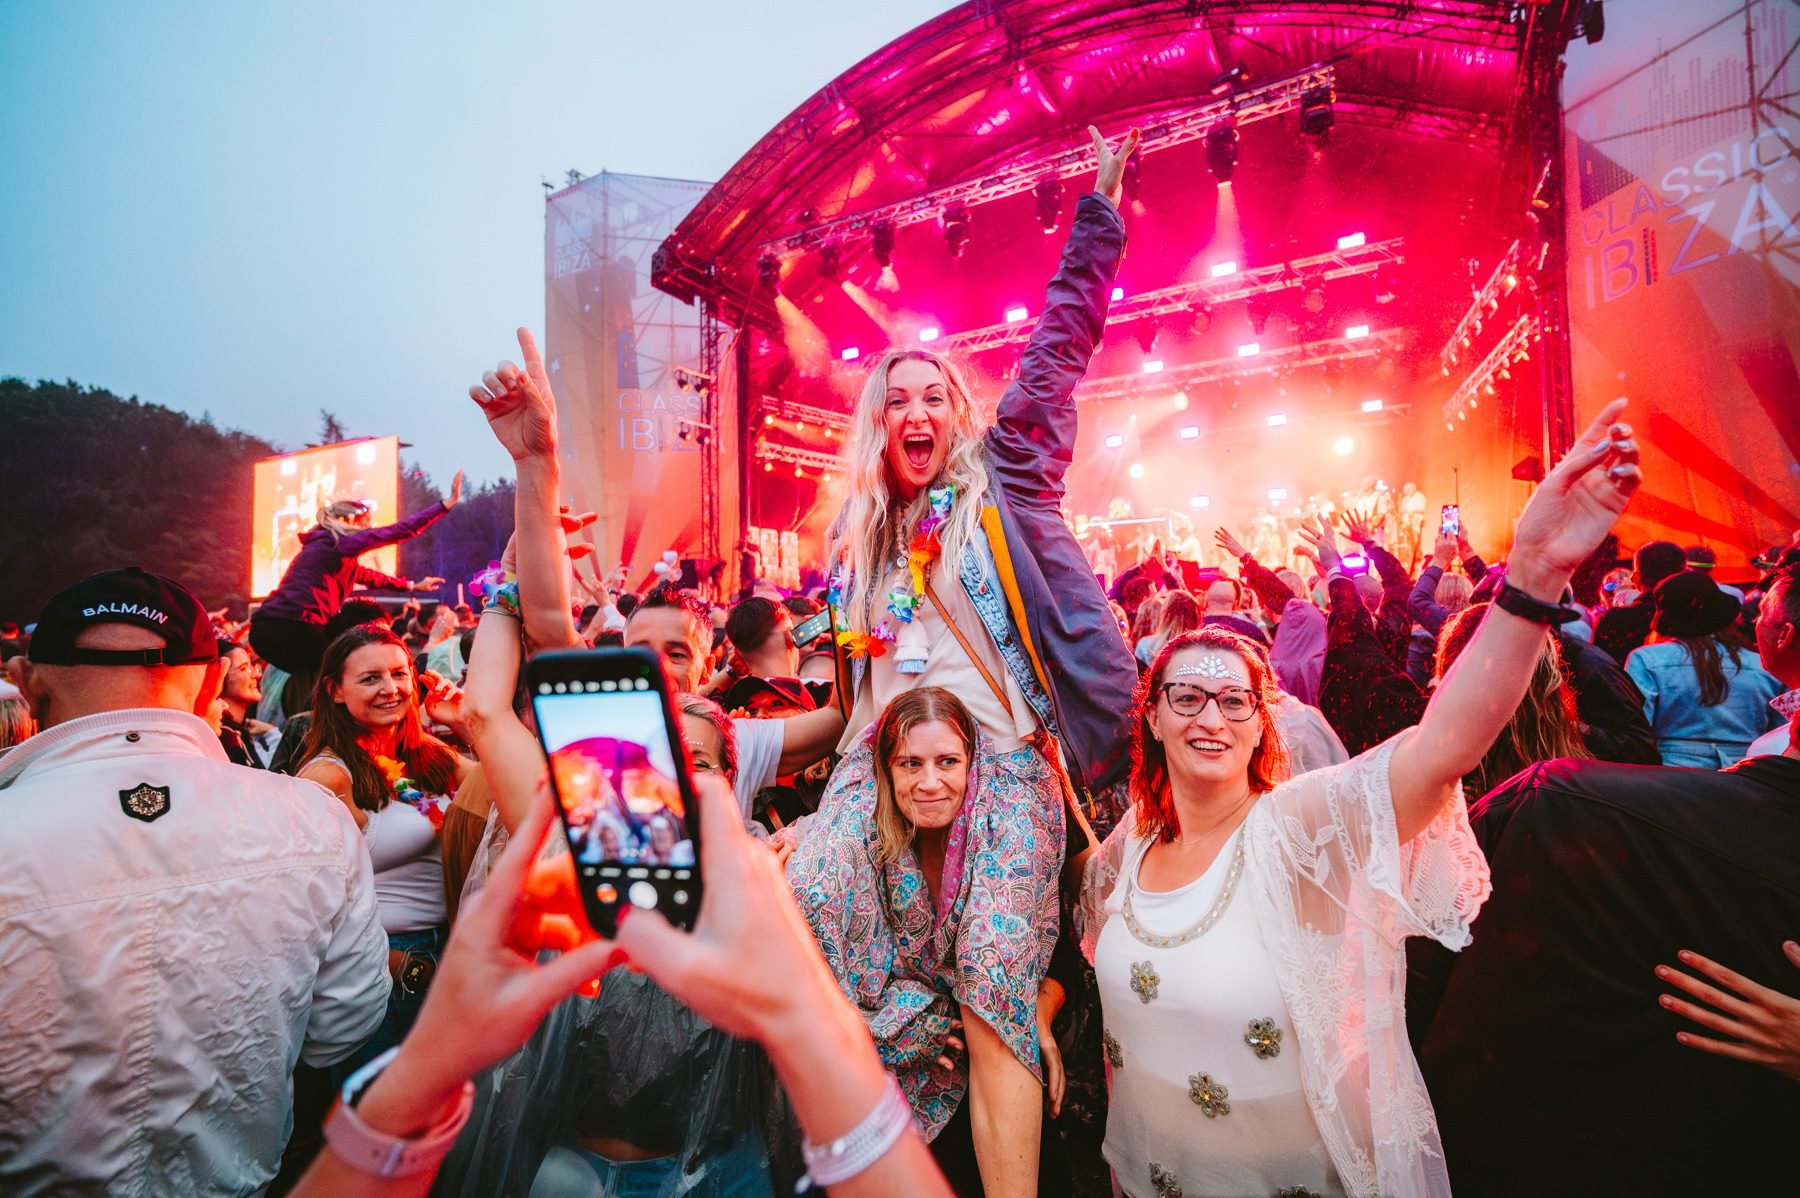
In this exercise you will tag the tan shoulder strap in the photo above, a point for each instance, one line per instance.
(950, 623)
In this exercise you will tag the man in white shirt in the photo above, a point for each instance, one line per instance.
(1778, 643)
(175, 931)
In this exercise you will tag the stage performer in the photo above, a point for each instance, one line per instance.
(288, 630)
(1249, 929)
(953, 568)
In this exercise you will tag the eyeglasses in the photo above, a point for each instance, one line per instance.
(1235, 703)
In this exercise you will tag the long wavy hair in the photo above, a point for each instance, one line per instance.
(894, 833)
(342, 516)
(1544, 727)
(874, 527)
(1152, 800)
(429, 761)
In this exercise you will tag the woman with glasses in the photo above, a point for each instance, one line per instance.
(1248, 927)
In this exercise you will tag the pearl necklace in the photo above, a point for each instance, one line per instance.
(1206, 922)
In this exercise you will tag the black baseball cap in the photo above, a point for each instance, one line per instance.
(128, 596)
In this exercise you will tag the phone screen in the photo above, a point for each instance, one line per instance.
(620, 773)
(1451, 524)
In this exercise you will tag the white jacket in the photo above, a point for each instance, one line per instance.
(160, 977)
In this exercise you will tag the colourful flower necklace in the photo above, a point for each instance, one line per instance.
(910, 649)
(432, 807)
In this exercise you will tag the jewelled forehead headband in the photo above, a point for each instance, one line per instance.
(1214, 667)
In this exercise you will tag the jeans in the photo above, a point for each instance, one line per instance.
(402, 1007)
(739, 1172)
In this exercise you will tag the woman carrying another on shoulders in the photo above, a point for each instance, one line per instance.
(368, 747)
(1248, 930)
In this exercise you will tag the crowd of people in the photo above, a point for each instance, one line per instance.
(1353, 871)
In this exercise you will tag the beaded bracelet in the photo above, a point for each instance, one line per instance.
(860, 1147)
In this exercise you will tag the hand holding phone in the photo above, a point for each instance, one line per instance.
(1450, 521)
(623, 783)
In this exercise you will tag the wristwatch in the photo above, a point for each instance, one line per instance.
(369, 1151)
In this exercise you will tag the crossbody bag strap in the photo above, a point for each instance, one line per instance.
(950, 623)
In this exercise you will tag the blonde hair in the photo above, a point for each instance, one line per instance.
(873, 529)
(1454, 592)
(1545, 725)
(923, 705)
(340, 516)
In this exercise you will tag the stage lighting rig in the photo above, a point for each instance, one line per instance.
(1258, 308)
(830, 259)
(956, 228)
(1146, 331)
(1131, 184)
(1317, 114)
(1203, 317)
(1312, 298)
(1222, 150)
(1047, 197)
(768, 272)
(1231, 80)
(1387, 285)
(882, 243)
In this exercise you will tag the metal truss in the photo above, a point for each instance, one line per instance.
(1245, 107)
(793, 455)
(1305, 356)
(1485, 304)
(712, 345)
(801, 413)
(1513, 347)
(1186, 297)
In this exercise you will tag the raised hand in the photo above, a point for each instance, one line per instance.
(1763, 1024)
(1111, 180)
(1575, 507)
(1322, 543)
(1357, 527)
(518, 404)
(427, 584)
(455, 491)
(1229, 543)
(1444, 551)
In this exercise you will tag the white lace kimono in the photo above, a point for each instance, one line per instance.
(1337, 896)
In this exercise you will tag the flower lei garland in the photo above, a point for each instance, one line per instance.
(432, 807)
(910, 650)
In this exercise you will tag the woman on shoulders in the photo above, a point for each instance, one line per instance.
(1248, 929)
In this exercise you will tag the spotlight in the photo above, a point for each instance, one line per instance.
(681, 380)
(829, 260)
(1371, 405)
(1312, 298)
(1277, 419)
(930, 334)
(1222, 270)
(882, 243)
(1154, 366)
(1203, 318)
(1257, 308)
(1356, 332)
(956, 228)
(1386, 285)
(768, 271)
(1190, 432)
(1249, 349)
(1316, 113)
(1222, 150)
(1344, 446)
(1047, 195)
(1017, 313)
(1116, 441)
(1351, 241)
(768, 467)
(1136, 470)
(1277, 494)
(851, 354)
(1231, 80)
(1199, 501)
(1593, 20)
(1118, 293)
(1146, 331)
(1180, 400)
(1132, 182)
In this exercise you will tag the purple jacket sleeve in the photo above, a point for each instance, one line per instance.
(1270, 590)
(1033, 438)
(371, 577)
(355, 544)
(1423, 603)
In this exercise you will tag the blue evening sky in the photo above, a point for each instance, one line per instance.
(260, 210)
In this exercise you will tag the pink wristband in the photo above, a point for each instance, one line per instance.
(369, 1151)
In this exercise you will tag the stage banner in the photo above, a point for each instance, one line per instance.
(1683, 175)
(616, 349)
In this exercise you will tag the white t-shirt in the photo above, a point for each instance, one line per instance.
(1261, 1137)
(758, 757)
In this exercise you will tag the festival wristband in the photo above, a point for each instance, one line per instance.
(1552, 615)
(369, 1151)
(504, 597)
(860, 1147)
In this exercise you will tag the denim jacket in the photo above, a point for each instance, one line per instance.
(1688, 733)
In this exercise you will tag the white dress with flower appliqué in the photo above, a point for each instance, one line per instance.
(1335, 896)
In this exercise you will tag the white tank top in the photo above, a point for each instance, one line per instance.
(409, 865)
(1182, 1052)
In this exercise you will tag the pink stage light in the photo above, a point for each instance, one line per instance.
(1153, 366)
(1118, 294)
(1356, 332)
(1116, 441)
(1277, 419)
(1249, 349)
(1015, 315)
(1180, 400)
(1277, 494)
(1344, 446)
(1350, 241)
(1222, 269)
(1199, 501)
(1137, 470)
(1190, 432)
(930, 334)
(1371, 405)
(851, 354)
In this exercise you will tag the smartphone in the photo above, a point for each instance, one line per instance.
(623, 782)
(812, 628)
(1450, 521)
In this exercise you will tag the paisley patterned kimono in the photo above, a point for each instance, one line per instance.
(985, 946)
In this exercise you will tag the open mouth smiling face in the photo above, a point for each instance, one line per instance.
(916, 416)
